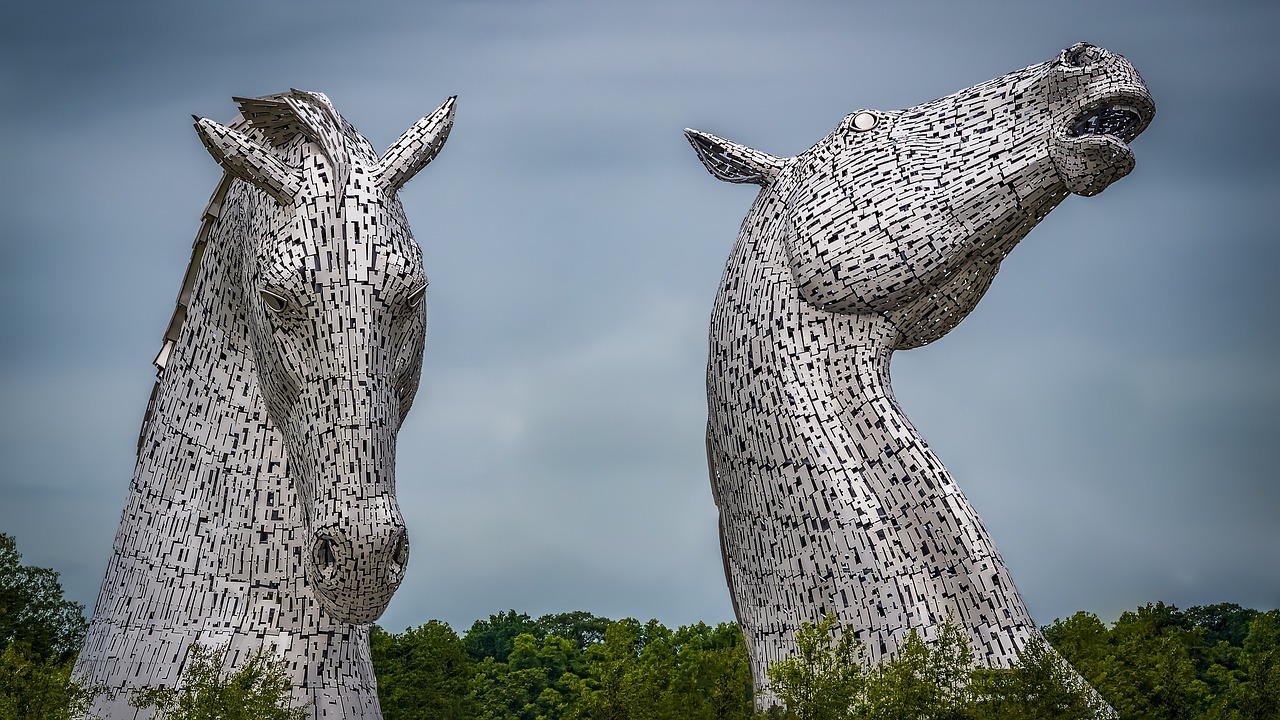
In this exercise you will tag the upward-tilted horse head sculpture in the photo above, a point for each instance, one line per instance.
(263, 507)
(882, 237)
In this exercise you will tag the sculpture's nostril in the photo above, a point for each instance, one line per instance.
(400, 551)
(325, 557)
(1082, 55)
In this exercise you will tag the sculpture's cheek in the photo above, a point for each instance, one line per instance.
(281, 364)
(835, 258)
(408, 364)
(873, 252)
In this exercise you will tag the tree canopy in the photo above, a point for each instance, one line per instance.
(566, 665)
(1205, 663)
(1210, 662)
(40, 635)
(261, 690)
(33, 610)
(1213, 662)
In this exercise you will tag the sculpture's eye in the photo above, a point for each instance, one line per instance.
(415, 297)
(273, 302)
(865, 121)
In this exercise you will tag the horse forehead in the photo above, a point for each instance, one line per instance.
(366, 222)
(370, 261)
(955, 115)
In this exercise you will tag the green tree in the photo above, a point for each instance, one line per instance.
(539, 681)
(649, 672)
(424, 672)
(500, 693)
(35, 688)
(580, 665)
(711, 677)
(33, 610)
(1158, 662)
(1040, 686)
(1224, 622)
(1215, 642)
(923, 681)
(1083, 640)
(1149, 673)
(825, 677)
(581, 627)
(496, 636)
(611, 689)
(1258, 694)
(261, 690)
(40, 635)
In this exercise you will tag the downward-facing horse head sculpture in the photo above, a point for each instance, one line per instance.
(262, 511)
(882, 237)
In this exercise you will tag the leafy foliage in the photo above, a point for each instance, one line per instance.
(35, 688)
(577, 665)
(423, 672)
(40, 635)
(650, 671)
(1041, 686)
(1217, 662)
(581, 627)
(495, 638)
(825, 677)
(537, 681)
(924, 681)
(1258, 693)
(33, 610)
(261, 690)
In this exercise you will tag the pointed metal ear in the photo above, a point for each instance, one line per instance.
(731, 162)
(249, 161)
(418, 146)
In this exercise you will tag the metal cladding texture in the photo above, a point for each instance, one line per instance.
(882, 237)
(262, 511)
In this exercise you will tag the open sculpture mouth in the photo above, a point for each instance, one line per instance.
(1091, 151)
(1107, 119)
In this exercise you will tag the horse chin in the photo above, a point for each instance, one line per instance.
(354, 604)
(1090, 163)
(364, 613)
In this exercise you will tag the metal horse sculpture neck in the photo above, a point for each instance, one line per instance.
(882, 237)
(262, 511)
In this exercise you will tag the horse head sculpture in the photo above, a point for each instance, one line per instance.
(262, 510)
(882, 237)
(908, 213)
(333, 290)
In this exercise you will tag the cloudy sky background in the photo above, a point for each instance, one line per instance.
(1110, 408)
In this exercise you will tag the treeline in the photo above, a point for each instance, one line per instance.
(1217, 662)
(570, 665)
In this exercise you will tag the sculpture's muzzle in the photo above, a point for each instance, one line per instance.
(1101, 105)
(358, 545)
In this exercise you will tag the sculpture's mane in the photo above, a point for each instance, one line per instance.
(277, 119)
(274, 120)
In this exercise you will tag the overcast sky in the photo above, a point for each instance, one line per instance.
(1110, 407)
